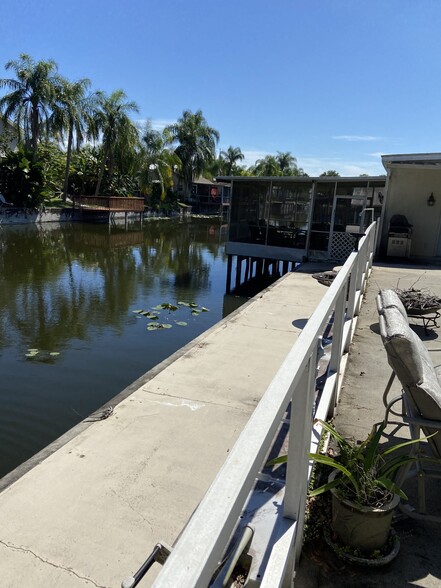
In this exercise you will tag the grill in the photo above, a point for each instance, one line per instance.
(400, 236)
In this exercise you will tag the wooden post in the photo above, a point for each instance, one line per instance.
(247, 270)
(229, 268)
(238, 270)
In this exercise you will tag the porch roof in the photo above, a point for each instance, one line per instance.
(414, 159)
(303, 179)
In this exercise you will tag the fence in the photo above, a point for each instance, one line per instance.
(199, 549)
(109, 203)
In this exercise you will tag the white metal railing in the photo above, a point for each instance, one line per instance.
(203, 541)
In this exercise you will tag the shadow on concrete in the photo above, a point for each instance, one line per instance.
(300, 323)
(424, 334)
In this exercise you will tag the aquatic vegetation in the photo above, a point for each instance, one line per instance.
(155, 313)
(43, 356)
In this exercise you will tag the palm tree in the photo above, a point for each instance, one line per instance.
(197, 142)
(119, 134)
(268, 166)
(231, 156)
(71, 114)
(330, 172)
(159, 162)
(287, 162)
(31, 98)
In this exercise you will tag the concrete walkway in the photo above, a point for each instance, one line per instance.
(89, 509)
(419, 562)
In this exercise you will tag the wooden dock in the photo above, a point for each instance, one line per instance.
(108, 206)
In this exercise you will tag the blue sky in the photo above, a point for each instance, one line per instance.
(335, 82)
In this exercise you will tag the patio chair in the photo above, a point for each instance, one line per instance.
(420, 399)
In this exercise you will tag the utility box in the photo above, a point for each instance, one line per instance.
(400, 237)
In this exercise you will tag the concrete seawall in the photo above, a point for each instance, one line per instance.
(20, 216)
(88, 510)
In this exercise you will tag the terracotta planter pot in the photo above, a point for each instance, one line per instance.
(363, 527)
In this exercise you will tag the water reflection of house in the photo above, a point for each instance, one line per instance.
(116, 238)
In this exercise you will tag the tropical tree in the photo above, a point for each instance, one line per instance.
(196, 144)
(267, 166)
(231, 157)
(286, 161)
(22, 178)
(288, 164)
(84, 170)
(72, 114)
(217, 167)
(282, 164)
(31, 99)
(330, 172)
(119, 136)
(158, 161)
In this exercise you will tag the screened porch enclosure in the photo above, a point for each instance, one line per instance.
(301, 218)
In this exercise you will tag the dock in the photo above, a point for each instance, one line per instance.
(88, 509)
(93, 207)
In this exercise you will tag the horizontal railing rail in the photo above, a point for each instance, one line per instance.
(199, 549)
(110, 203)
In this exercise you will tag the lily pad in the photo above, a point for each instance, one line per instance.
(195, 312)
(168, 306)
(157, 326)
(203, 309)
(181, 323)
(54, 353)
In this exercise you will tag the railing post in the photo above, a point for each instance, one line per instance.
(366, 263)
(361, 269)
(352, 296)
(298, 462)
(337, 340)
(371, 248)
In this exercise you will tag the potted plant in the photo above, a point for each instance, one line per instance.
(363, 486)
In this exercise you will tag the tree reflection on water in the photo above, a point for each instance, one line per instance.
(71, 290)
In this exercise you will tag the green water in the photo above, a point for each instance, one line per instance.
(69, 339)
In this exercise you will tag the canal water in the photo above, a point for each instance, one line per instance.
(71, 332)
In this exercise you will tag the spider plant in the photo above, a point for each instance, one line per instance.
(367, 473)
